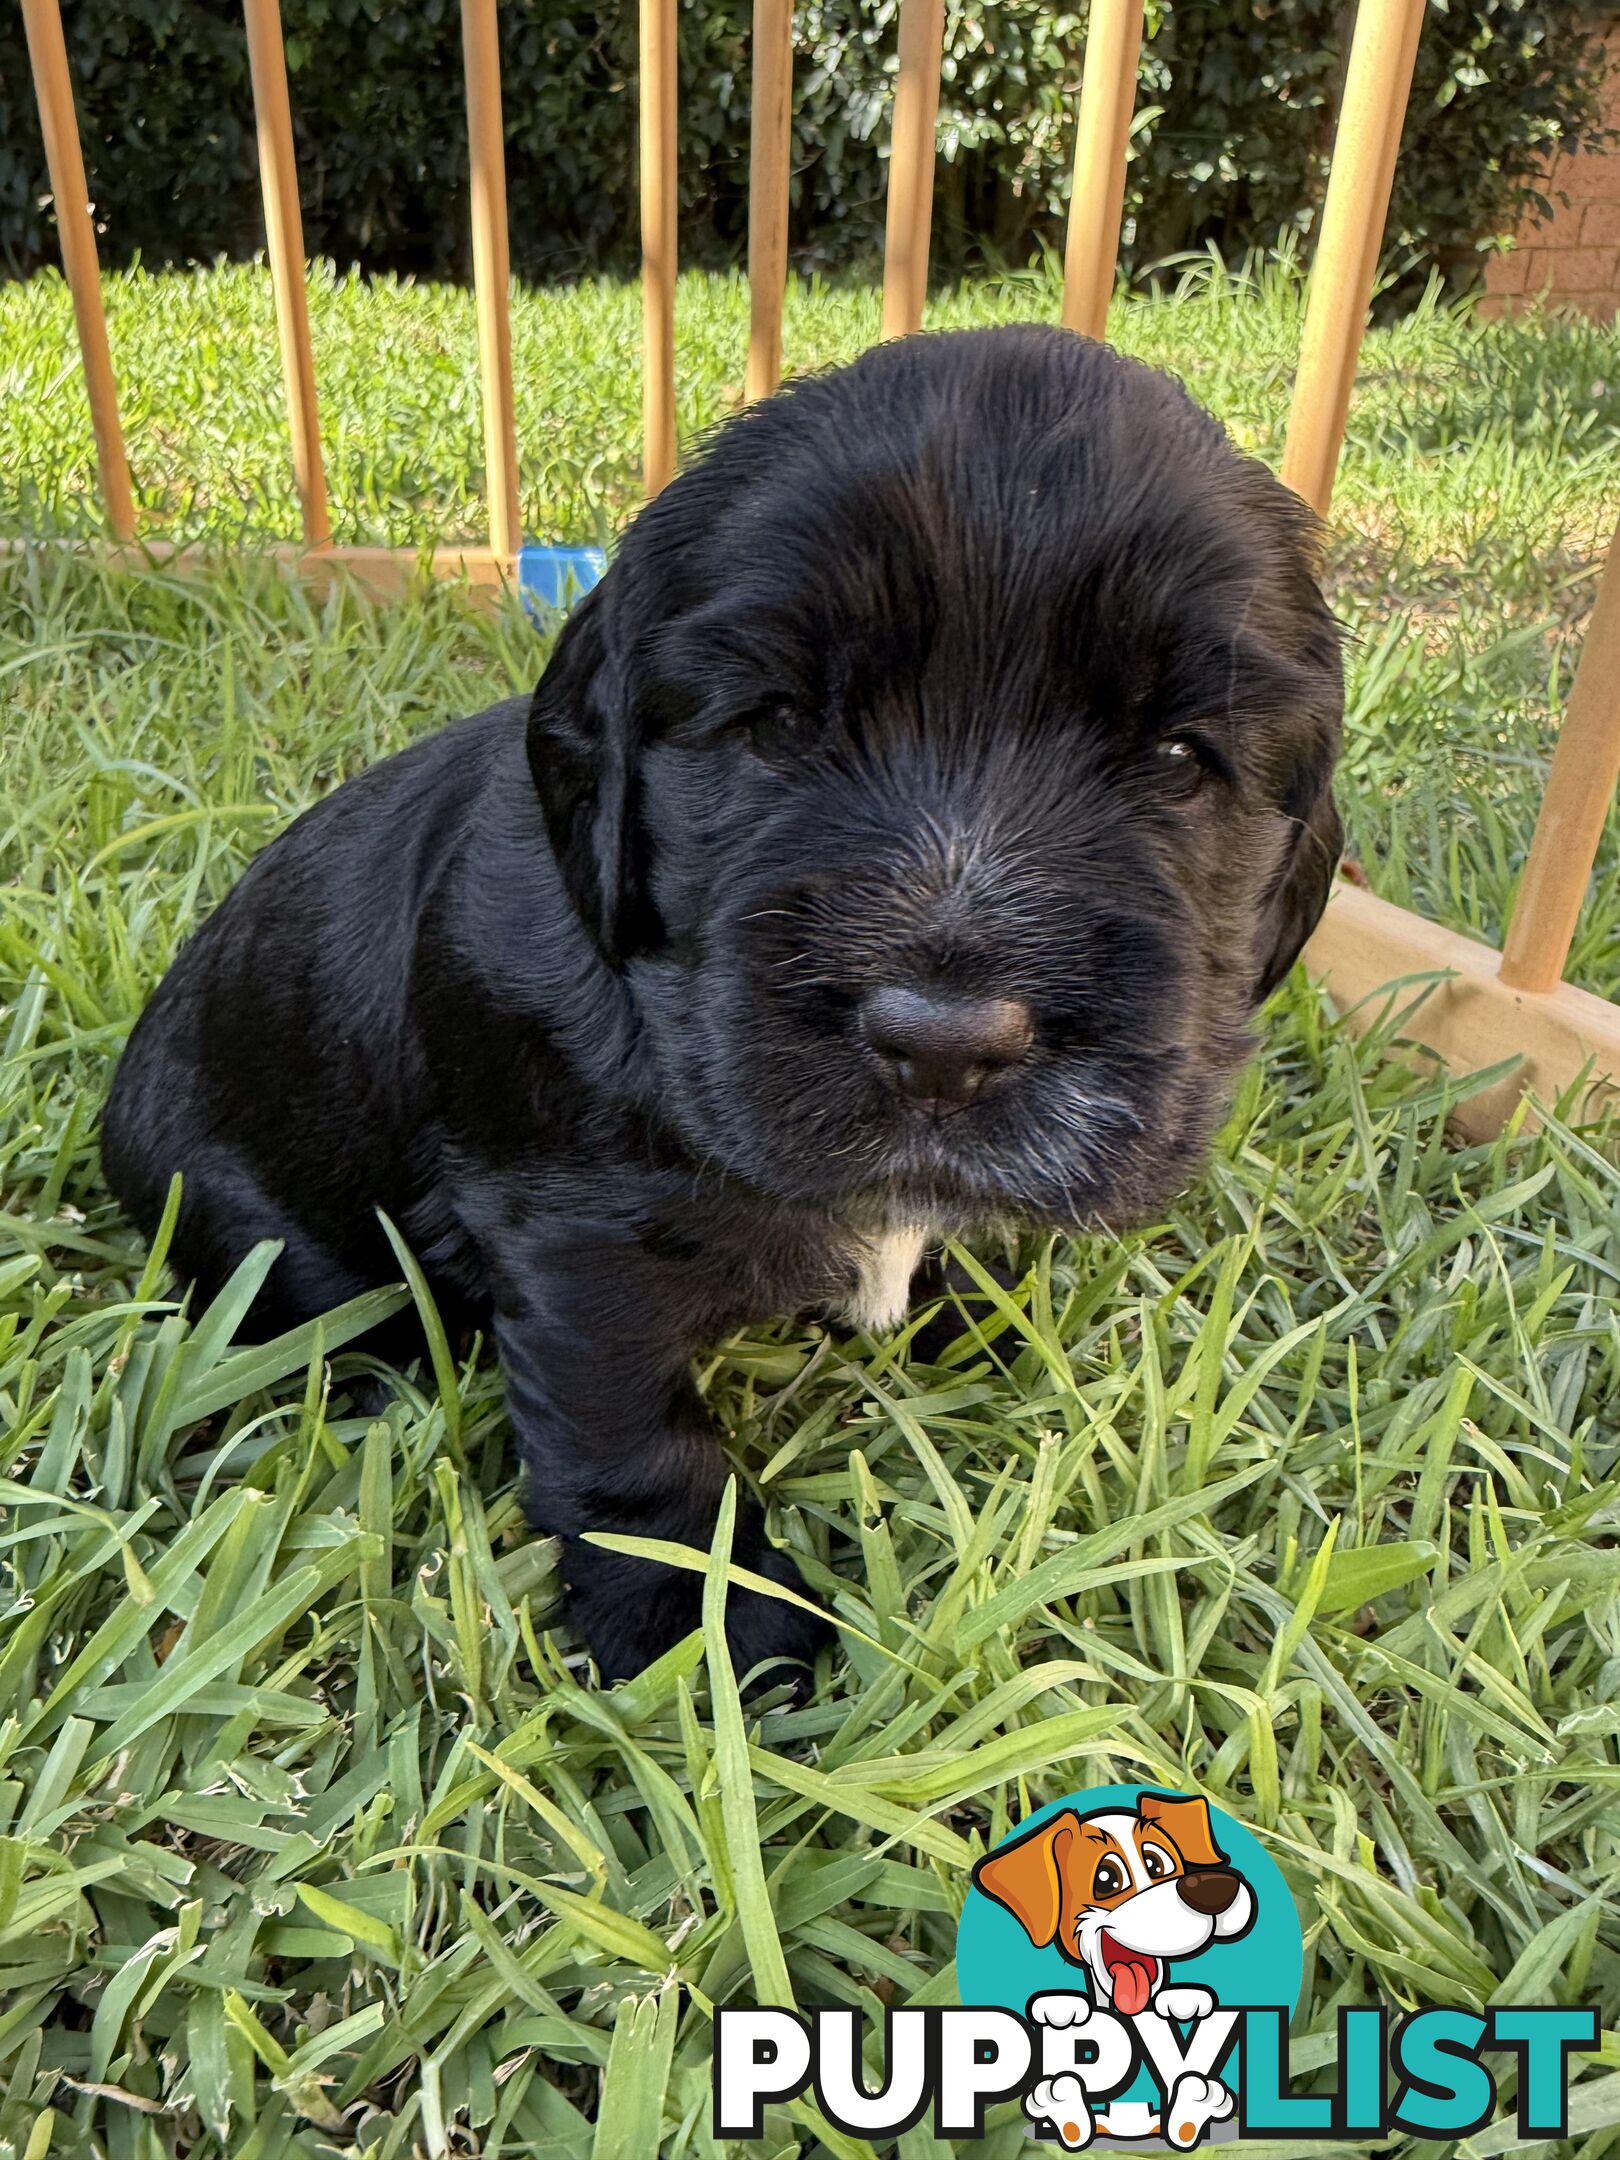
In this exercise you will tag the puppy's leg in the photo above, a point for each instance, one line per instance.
(225, 1212)
(612, 1437)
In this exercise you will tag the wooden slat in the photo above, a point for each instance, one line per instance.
(383, 573)
(1473, 1018)
(770, 144)
(1102, 138)
(659, 184)
(284, 245)
(911, 167)
(1580, 792)
(53, 87)
(390, 573)
(1377, 86)
(492, 276)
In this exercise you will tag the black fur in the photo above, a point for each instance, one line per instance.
(877, 693)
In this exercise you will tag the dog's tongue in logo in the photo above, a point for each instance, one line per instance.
(1132, 1973)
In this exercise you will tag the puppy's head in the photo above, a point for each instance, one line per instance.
(1122, 1893)
(946, 761)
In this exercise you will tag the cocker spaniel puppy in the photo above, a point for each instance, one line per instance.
(898, 844)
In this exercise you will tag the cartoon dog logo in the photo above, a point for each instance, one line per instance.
(1123, 1894)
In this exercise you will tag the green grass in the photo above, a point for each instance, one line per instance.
(315, 1842)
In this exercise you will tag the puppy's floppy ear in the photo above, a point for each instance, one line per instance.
(1027, 1877)
(1299, 892)
(584, 755)
(1186, 1823)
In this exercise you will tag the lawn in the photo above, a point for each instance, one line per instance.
(317, 1840)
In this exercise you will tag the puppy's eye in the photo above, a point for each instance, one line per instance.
(1187, 761)
(1183, 756)
(776, 730)
(1156, 1863)
(1109, 1879)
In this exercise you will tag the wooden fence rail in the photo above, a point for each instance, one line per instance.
(47, 53)
(770, 151)
(911, 166)
(284, 245)
(1377, 86)
(1102, 139)
(659, 185)
(492, 280)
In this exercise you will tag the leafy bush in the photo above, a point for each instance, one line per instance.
(1237, 98)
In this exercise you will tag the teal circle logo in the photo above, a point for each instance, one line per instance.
(1131, 1924)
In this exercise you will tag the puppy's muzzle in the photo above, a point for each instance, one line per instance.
(942, 1052)
(1209, 1890)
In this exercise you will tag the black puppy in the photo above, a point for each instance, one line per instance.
(898, 843)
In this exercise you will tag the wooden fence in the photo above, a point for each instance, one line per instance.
(1486, 1006)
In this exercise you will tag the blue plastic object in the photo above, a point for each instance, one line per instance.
(555, 577)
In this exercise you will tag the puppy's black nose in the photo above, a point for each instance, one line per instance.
(941, 1050)
(1209, 1890)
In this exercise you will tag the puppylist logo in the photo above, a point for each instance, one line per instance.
(1128, 1962)
(1135, 1939)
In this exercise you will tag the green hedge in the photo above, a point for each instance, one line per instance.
(1237, 103)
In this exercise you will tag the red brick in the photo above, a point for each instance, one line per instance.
(1508, 273)
(1572, 258)
(1534, 266)
(1561, 230)
(1601, 225)
(1586, 177)
(1581, 270)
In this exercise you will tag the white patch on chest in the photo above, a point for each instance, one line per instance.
(886, 1265)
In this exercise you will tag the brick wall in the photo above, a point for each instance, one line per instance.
(1571, 259)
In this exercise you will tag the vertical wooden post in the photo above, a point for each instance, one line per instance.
(492, 275)
(284, 244)
(1580, 789)
(1102, 138)
(659, 184)
(1377, 86)
(770, 145)
(911, 166)
(53, 87)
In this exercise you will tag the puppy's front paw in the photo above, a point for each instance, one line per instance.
(764, 1628)
(631, 1611)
